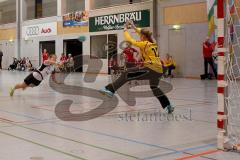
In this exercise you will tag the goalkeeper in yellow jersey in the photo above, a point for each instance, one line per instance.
(152, 69)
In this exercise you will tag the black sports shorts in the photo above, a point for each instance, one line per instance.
(30, 80)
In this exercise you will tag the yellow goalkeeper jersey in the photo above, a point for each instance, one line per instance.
(148, 51)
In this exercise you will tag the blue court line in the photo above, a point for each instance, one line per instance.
(93, 132)
(180, 151)
(111, 136)
(97, 133)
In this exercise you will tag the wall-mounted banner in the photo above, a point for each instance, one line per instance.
(38, 30)
(117, 21)
(79, 18)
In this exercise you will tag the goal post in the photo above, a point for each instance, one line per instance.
(221, 83)
(228, 91)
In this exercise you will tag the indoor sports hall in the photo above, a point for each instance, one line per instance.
(119, 79)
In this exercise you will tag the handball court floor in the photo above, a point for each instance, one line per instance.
(31, 130)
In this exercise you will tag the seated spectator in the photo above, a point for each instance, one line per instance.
(170, 64)
(29, 65)
(19, 63)
(13, 66)
(22, 64)
(70, 63)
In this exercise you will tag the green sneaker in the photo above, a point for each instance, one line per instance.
(104, 91)
(11, 92)
(169, 109)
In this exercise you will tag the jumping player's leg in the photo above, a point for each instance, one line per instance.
(131, 74)
(22, 85)
(141, 74)
(158, 93)
(29, 81)
(118, 83)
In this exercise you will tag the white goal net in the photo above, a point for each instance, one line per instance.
(232, 75)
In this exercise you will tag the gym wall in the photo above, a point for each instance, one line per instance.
(185, 44)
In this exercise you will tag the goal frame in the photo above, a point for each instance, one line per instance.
(221, 83)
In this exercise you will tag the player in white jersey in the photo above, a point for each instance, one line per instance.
(37, 76)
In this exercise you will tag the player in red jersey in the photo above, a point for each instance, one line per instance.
(44, 55)
(131, 56)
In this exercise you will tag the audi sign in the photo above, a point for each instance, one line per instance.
(32, 31)
(46, 29)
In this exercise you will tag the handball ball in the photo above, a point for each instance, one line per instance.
(82, 38)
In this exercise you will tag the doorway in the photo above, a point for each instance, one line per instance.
(74, 47)
(49, 46)
(177, 48)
